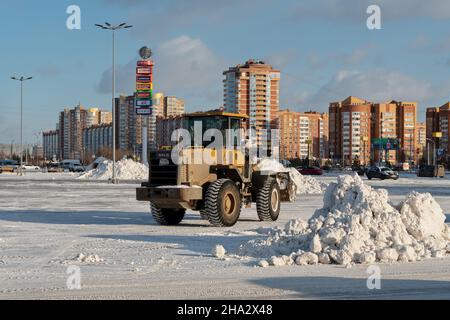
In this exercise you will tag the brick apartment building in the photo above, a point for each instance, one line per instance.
(356, 125)
(437, 120)
(303, 135)
(253, 89)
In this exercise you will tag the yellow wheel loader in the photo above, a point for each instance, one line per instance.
(219, 184)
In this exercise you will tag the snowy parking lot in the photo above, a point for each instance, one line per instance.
(48, 220)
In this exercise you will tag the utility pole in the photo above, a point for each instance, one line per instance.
(21, 79)
(108, 26)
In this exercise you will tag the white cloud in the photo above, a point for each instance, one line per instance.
(185, 67)
(186, 63)
(355, 10)
(377, 86)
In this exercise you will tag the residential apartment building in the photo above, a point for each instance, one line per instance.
(384, 125)
(349, 130)
(172, 107)
(51, 144)
(95, 139)
(318, 133)
(252, 89)
(71, 125)
(95, 116)
(437, 120)
(165, 128)
(357, 126)
(421, 140)
(129, 125)
(303, 135)
(157, 112)
(406, 130)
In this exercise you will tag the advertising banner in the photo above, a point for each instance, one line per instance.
(144, 87)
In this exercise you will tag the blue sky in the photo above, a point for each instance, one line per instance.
(323, 49)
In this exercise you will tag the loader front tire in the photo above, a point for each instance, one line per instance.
(222, 203)
(167, 217)
(268, 201)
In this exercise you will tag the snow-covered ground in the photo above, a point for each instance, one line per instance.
(51, 221)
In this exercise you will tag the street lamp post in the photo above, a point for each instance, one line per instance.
(108, 26)
(21, 79)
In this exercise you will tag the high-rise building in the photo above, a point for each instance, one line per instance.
(384, 125)
(437, 120)
(129, 125)
(96, 138)
(71, 125)
(421, 140)
(51, 144)
(165, 128)
(290, 135)
(303, 135)
(406, 130)
(157, 112)
(318, 133)
(96, 116)
(349, 125)
(362, 130)
(252, 89)
(173, 107)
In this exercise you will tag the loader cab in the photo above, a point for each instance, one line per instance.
(204, 127)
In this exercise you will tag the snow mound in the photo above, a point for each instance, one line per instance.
(91, 258)
(126, 169)
(305, 184)
(96, 162)
(358, 225)
(219, 251)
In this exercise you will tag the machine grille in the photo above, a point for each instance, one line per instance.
(162, 169)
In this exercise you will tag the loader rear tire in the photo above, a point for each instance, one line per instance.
(222, 203)
(167, 217)
(268, 201)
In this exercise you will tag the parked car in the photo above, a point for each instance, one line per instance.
(381, 173)
(9, 165)
(70, 164)
(360, 170)
(76, 168)
(310, 171)
(30, 168)
(54, 167)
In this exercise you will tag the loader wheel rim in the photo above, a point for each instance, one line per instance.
(229, 203)
(274, 201)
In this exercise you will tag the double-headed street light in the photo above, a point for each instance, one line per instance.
(21, 79)
(108, 26)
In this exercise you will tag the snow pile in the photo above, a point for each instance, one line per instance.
(219, 251)
(92, 258)
(358, 224)
(126, 169)
(96, 162)
(305, 184)
(80, 258)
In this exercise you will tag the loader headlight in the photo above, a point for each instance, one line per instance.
(164, 162)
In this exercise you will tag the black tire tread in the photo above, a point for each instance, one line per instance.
(263, 201)
(212, 201)
(167, 217)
